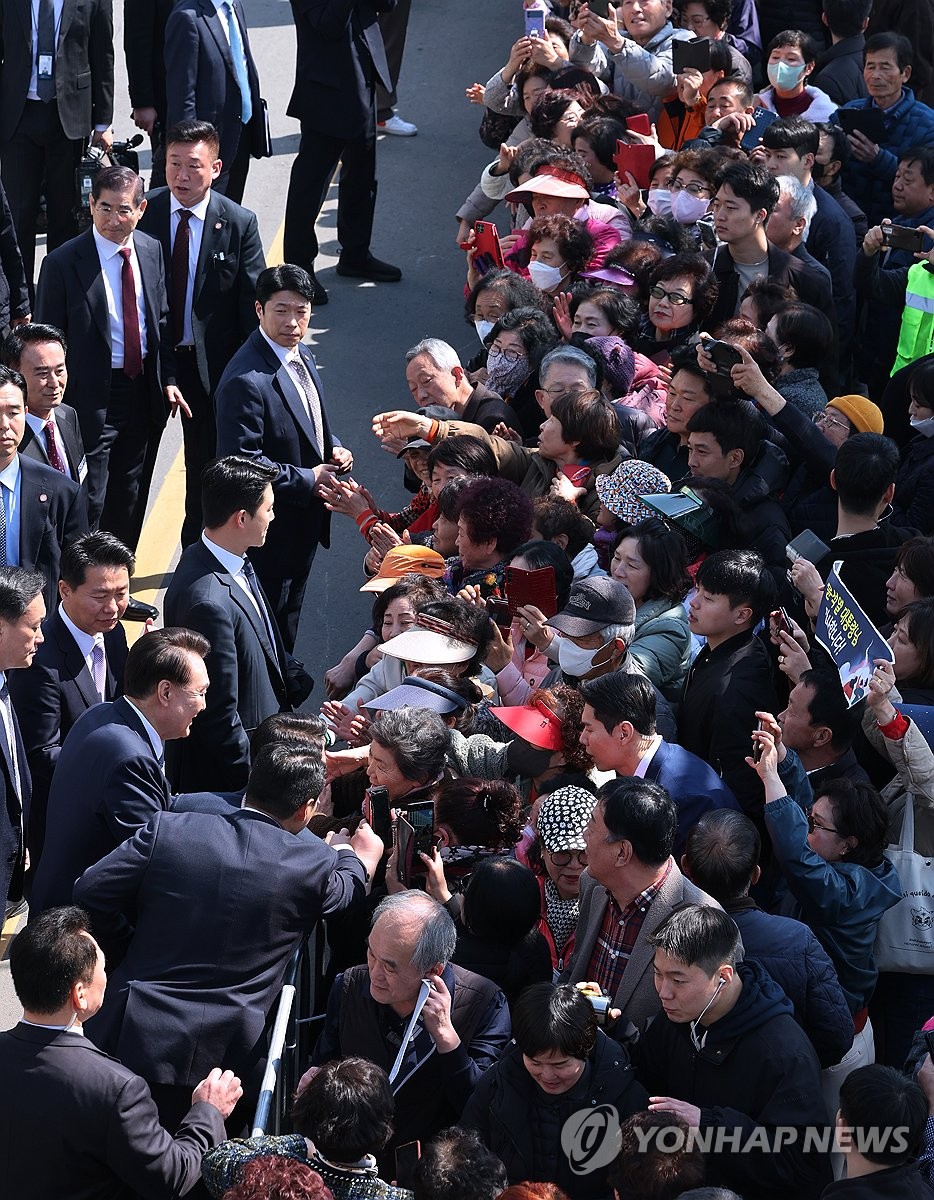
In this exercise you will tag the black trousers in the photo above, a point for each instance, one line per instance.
(118, 482)
(312, 171)
(39, 157)
(393, 26)
(200, 437)
(232, 179)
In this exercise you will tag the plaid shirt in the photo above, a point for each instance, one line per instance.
(618, 936)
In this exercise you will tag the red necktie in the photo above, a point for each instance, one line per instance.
(132, 344)
(51, 449)
(180, 274)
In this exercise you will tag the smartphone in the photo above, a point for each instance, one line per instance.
(867, 121)
(600, 8)
(599, 1000)
(407, 1157)
(902, 237)
(577, 474)
(639, 123)
(929, 1042)
(763, 118)
(757, 746)
(782, 621)
(498, 609)
(694, 54)
(532, 587)
(638, 160)
(723, 354)
(535, 22)
(415, 832)
(486, 240)
(807, 545)
(376, 813)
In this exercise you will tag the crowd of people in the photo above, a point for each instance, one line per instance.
(623, 877)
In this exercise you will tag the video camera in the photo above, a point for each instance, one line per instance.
(94, 159)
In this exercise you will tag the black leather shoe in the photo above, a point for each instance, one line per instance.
(138, 610)
(319, 295)
(369, 268)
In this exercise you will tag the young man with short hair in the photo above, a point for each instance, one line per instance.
(732, 673)
(728, 1057)
(840, 68)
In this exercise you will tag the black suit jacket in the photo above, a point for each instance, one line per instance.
(84, 65)
(248, 673)
(340, 55)
(223, 312)
(107, 784)
(199, 75)
(259, 414)
(53, 511)
(14, 809)
(70, 295)
(67, 421)
(810, 286)
(105, 1141)
(50, 697)
(14, 294)
(143, 44)
(238, 892)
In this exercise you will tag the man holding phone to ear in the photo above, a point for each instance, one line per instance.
(640, 51)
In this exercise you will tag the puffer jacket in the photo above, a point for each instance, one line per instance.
(662, 645)
(910, 123)
(522, 1125)
(842, 902)
(801, 967)
(913, 760)
(640, 74)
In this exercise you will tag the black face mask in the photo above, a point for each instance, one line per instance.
(817, 171)
(527, 760)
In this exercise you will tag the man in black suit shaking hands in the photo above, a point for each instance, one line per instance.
(213, 257)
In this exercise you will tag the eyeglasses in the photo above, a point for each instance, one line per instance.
(675, 298)
(561, 858)
(567, 389)
(696, 189)
(813, 825)
(824, 418)
(511, 356)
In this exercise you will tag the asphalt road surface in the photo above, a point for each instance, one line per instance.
(360, 337)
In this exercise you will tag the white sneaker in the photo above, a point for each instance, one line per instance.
(397, 126)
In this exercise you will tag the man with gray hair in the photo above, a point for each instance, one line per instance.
(565, 371)
(434, 1027)
(435, 377)
(790, 220)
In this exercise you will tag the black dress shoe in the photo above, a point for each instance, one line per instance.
(15, 908)
(319, 295)
(138, 610)
(369, 268)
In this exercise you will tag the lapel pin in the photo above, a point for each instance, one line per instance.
(43, 496)
(218, 225)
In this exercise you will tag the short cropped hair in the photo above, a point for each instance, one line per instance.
(18, 588)
(864, 470)
(189, 133)
(418, 739)
(641, 813)
(161, 654)
(287, 277)
(96, 549)
(741, 575)
(876, 1098)
(792, 133)
(441, 353)
(456, 1165)
(619, 696)
(120, 180)
(880, 42)
(750, 182)
(10, 377)
(554, 1019)
(699, 936)
(438, 937)
(283, 778)
(232, 484)
(722, 851)
(50, 956)
(346, 1109)
(32, 334)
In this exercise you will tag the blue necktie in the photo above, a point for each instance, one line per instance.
(239, 62)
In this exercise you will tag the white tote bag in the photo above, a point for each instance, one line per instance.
(905, 937)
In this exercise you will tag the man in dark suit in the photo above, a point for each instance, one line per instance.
(144, 49)
(340, 58)
(109, 778)
(14, 291)
(213, 257)
(52, 434)
(205, 993)
(215, 591)
(211, 76)
(22, 610)
(619, 735)
(270, 406)
(119, 356)
(41, 508)
(105, 1139)
(56, 87)
(79, 664)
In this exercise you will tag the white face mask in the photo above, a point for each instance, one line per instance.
(544, 276)
(924, 426)
(784, 75)
(686, 209)
(575, 661)
(659, 201)
(483, 329)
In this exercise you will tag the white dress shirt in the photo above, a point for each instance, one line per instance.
(158, 746)
(37, 425)
(220, 6)
(84, 641)
(639, 772)
(111, 269)
(195, 233)
(233, 563)
(57, 5)
(285, 357)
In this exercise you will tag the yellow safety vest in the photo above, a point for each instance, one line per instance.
(916, 337)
